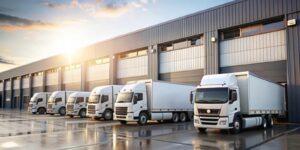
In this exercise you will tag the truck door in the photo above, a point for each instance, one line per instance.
(104, 102)
(234, 103)
(138, 103)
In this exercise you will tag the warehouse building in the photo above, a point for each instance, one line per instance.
(262, 36)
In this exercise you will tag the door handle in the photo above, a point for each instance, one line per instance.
(106, 105)
(235, 108)
(141, 106)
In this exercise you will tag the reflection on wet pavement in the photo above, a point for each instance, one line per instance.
(20, 130)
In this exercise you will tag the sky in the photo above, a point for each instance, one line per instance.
(31, 30)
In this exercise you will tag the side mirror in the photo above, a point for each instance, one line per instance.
(191, 97)
(233, 96)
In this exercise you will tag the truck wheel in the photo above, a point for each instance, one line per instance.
(237, 126)
(175, 117)
(264, 123)
(182, 117)
(123, 122)
(143, 118)
(82, 113)
(270, 122)
(202, 130)
(108, 115)
(41, 110)
(62, 111)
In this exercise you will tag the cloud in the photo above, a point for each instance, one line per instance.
(6, 61)
(102, 8)
(13, 23)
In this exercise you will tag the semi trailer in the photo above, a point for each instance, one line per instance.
(38, 103)
(101, 101)
(76, 104)
(236, 101)
(57, 102)
(140, 101)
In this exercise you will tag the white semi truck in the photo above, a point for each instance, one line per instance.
(57, 102)
(38, 103)
(102, 100)
(76, 104)
(235, 101)
(140, 101)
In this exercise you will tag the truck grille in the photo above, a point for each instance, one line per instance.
(70, 107)
(209, 121)
(121, 110)
(49, 106)
(204, 112)
(91, 109)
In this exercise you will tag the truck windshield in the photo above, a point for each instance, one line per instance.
(51, 100)
(94, 99)
(212, 95)
(124, 97)
(71, 100)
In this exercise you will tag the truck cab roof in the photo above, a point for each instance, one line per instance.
(104, 89)
(60, 93)
(80, 94)
(225, 80)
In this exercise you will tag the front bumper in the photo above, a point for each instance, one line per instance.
(127, 117)
(52, 111)
(211, 122)
(72, 113)
(31, 110)
(95, 113)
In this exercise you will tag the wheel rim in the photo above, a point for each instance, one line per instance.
(237, 125)
(107, 115)
(63, 111)
(175, 117)
(182, 117)
(143, 119)
(83, 113)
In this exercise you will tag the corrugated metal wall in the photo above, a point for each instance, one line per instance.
(260, 48)
(132, 67)
(191, 58)
(293, 68)
(51, 78)
(25, 83)
(98, 72)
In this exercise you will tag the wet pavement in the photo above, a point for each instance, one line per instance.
(20, 130)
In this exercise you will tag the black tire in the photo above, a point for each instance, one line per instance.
(270, 122)
(237, 125)
(123, 122)
(143, 118)
(263, 123)
(175, 117)
(202, 130)
(42, 110)
(108, 114)
(183, 117)
(62, 111)
(82, 113)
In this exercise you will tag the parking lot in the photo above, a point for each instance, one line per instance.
(20, 130)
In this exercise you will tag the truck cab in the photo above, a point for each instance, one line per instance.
(38, 103)
(76, 104)
(101, 101)
(57, 102)
(131, 101)
(216, 101)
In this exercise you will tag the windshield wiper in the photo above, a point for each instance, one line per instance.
(216, 100)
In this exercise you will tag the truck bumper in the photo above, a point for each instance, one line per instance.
(211, 122)
(97, 114)
(52, 111)
(129, 117)
(72, 113)
(31, 110)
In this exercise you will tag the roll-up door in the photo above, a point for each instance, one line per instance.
(52, 78)
(263, 54)
(16, 84)
(72, 77)
(133, 67)
(97, 73)
(182, 65)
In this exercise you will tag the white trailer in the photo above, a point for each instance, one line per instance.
(102, 100)
(237, 100)
(57, 102)
(76, 104)
(38, 103)
(144, 100)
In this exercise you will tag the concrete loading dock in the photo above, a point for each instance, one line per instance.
(238, 36)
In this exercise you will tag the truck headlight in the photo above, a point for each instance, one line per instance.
(196, 121)
(223, 122)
